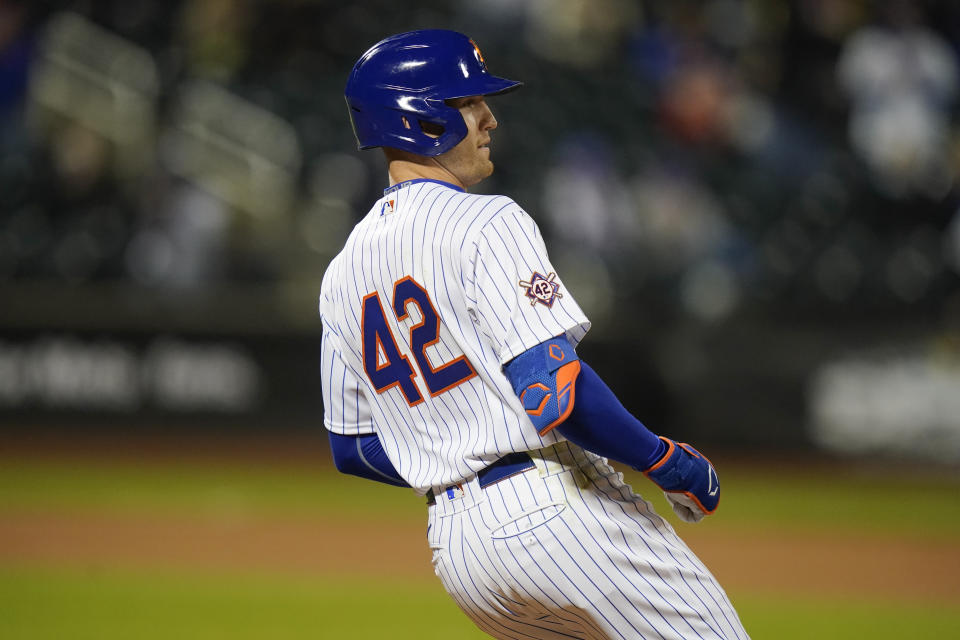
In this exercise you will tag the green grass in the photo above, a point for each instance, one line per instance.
(57, 604)
(155, 487)
(893, 503)
(806, 617)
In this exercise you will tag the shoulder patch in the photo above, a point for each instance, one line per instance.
(542, 288)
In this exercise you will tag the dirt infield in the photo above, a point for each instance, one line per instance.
(758, 562)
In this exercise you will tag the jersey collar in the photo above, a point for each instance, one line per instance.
(401, 185)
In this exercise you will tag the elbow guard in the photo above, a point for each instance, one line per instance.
(544, 378)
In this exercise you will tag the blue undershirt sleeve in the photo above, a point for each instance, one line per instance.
(600, 423)
(364, 456)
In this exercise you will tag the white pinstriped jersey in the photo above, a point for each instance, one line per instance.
(433, 292)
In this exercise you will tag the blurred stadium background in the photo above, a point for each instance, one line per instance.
(756, 202)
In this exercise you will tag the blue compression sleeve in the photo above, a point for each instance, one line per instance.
(599, 423)
(364, 456)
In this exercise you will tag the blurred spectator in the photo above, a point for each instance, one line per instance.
(693, 102)
(684, 239)
(679, 218)
(214, 35)
(181, 245)
(16, 52)
(951, 245)
(17, 44)
(902, 79)
(585, 199)
(579, 33)
(89, 214)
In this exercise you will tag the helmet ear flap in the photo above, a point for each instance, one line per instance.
(454, 130)
(411, 132)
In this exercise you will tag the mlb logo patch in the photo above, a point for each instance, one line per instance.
(455, 492)
(387, 207)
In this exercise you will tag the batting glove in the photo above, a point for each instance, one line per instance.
(688, 480)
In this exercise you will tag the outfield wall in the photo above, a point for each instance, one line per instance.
(757, 383)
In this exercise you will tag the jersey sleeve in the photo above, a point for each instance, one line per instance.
(345, 408)
(518, 298)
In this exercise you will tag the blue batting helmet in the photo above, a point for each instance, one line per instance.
(405, 79)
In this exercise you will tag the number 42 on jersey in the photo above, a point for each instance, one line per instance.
(383, 363)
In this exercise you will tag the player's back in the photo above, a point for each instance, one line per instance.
(414, 327)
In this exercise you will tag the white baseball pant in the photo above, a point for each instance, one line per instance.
(565, 549)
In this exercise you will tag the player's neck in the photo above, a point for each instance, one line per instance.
(400, 170)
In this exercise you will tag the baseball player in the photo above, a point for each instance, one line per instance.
(449, 366)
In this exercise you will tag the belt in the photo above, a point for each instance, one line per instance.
(509, 465)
